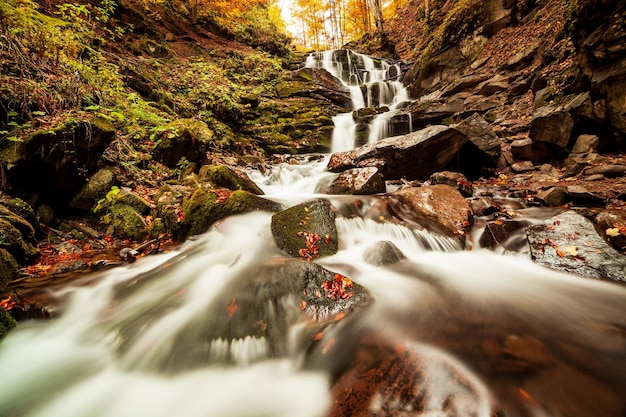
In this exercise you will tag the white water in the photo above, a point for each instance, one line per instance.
(483, 331)
(371, 84)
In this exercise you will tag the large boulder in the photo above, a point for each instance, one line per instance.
(223, 176)
(53, 164)
(307, 231)
(413, 156)
(438, 208)
(205, 206)
(487, 145)
(569, 242)
(184, 138)
(551, 125)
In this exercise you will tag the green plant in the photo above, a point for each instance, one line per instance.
(107, 200)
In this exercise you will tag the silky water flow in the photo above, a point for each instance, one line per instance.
(479, 333)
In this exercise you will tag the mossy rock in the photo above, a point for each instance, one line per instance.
(96, 188)
(23, 210)
(25, 228)
(54, 163)
(8, 269)
(299, 228)
(183, 138)
(206, 206)
(126, 222)
(7, 322)
(127, 197)
(223, 176)
(12, 240)
(167, 217)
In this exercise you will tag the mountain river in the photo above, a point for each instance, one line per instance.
(449, 331)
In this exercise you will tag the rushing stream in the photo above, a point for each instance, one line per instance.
(471, 332)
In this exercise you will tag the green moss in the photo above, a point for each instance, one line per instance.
(206, 206)
(222, 176)
(8, 269)
(126, 222)
(7, 322)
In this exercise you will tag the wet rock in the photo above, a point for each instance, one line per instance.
(551, 125)
(53, 163)
(69, 266)
(205, 206)
(553, 196)
(502, 233)
(128, 197)
(383, 253)
(184, 138)
(96, 188)
(529, 350)
(613, 224)
(390, 378)
(358, 181)
(484, 205)
(569, 242)
(438, 208)
(453, 179)
(434, 147)
(223, 176)
(306, 230)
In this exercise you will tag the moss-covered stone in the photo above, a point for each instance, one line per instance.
(183, 138)
(307, 230)
(223, 176)
(23, 210)
(126, 222)
(8, 268)
(12, 240)
(25, 228)
(126, 196)
(7, 322)
(206, 206)
(95, 189)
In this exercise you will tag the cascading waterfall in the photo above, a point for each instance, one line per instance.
(475, 333)
(372, 83)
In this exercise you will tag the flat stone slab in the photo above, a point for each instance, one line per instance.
(569, 242)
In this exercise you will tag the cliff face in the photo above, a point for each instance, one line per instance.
(556, 49)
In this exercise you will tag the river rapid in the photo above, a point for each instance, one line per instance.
(471, 332)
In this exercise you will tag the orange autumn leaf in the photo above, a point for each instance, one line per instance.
(232, 308)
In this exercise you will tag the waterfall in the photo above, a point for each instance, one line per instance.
(372, 83)
(447, 332)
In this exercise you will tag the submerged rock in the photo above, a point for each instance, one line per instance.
(383, 253)
(569, 242)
